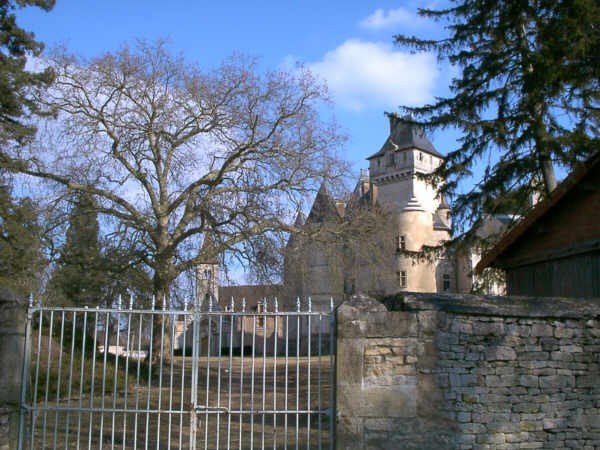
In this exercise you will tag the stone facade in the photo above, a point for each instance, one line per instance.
(467, 372)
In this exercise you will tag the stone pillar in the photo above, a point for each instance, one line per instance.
(371, 396)
(13, 318)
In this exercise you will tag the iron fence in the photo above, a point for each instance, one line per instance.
(196, 378)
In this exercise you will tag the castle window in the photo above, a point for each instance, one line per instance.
(420, 156)
(391, 159)
(446, 282)
(401, 243)
(207, 274)
(402, 278)
(404, 156)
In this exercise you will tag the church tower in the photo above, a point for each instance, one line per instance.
(421, 217)
(207, 275)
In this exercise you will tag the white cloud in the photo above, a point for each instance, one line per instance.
(364, 75)
(382, 20)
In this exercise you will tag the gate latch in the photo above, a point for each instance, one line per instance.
(211, 409)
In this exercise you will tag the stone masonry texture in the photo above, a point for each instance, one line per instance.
(12, 337)
(423, 371)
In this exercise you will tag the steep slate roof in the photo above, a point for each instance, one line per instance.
(298, 223)
(539, 211)
(324, 207)
(405, 135)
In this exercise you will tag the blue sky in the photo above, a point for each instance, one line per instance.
(348, 44)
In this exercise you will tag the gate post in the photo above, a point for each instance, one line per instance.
(13, 319)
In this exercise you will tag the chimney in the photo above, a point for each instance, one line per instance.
(394, 120)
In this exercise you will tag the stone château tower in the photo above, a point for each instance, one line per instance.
(416, 218)
(420, 217)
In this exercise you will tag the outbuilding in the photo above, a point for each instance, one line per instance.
(555, 249)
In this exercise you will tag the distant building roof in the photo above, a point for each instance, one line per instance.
(538, 212)
(405, 134)
(253, 294)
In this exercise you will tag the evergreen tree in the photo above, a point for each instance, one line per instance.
(21, 258)
(16, 83)
(79, 276)
(526, 98)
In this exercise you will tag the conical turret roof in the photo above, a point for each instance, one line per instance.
(208, 251)
(324, 207)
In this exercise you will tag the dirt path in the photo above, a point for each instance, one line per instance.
(240, 403)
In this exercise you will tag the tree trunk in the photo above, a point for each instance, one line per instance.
(162, 341)
(548, 174)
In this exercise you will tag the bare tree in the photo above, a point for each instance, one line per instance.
(171, 152)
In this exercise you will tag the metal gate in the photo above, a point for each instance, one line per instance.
(196, 378)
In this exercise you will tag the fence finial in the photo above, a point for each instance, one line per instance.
(185, 303)
(298, 304)
(130, 300)
(331, 304)
(276, 305)
(153, 301)
(309, 304)
(232, 304)
(210, 303)
(244, 304)
(164, 303)
(30, 300)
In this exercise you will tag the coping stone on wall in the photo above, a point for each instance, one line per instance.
(540, 307)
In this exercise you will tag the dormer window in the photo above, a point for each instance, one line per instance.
(391, 159)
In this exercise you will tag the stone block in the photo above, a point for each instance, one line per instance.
(349, 361)
(500, 353)
(587, 381)
(555, 382)
(429, 396)
(349, 433)
(428, 323)
(529, 381)
(488, 328)
(377, 401)
(542, 330)
(377, 324)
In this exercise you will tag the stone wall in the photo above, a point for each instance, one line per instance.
(464, 372)
(12, 338)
